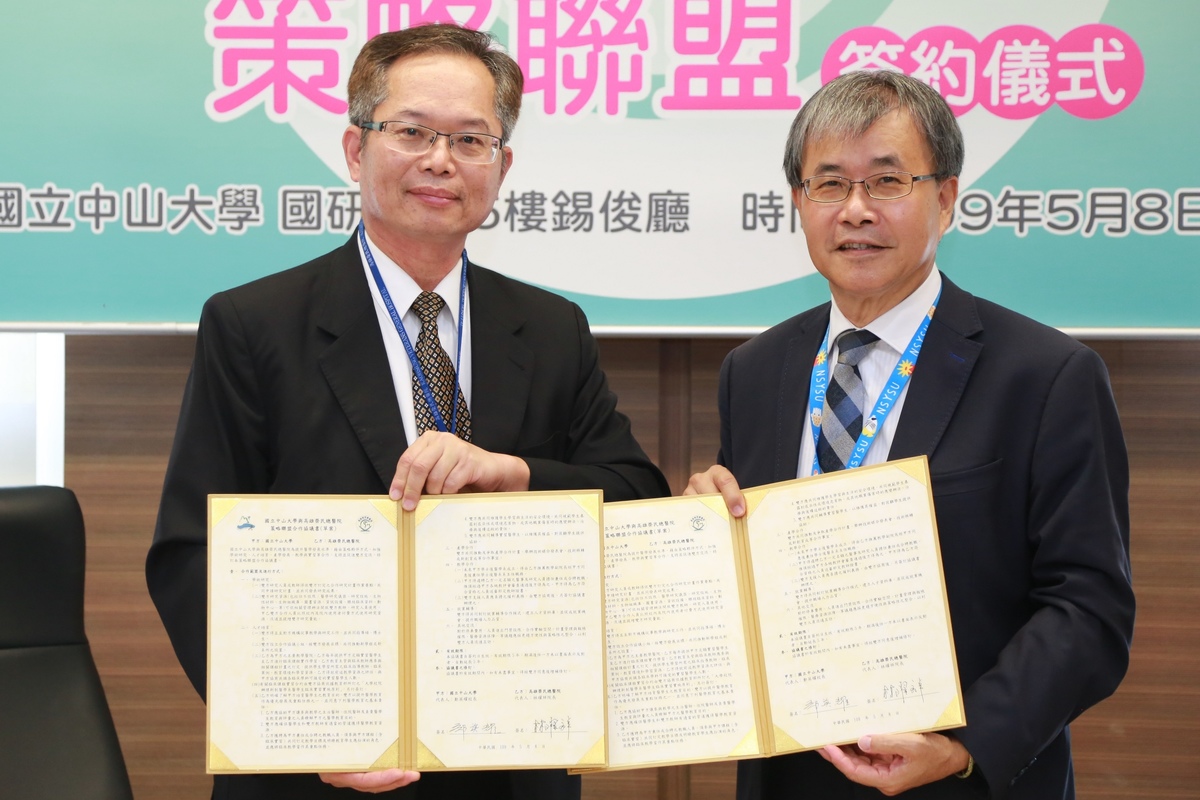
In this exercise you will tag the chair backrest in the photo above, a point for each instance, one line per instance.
(57, 738)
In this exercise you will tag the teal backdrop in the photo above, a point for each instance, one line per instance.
(114, 94)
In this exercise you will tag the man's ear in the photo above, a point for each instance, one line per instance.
(352, 147)
(947, 200)
(798, 193)
(506, 160)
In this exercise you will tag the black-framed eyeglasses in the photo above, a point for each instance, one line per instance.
(884, 186)
(417, 140)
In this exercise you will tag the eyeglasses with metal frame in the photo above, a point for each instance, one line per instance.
(882, 186)
(417, 140)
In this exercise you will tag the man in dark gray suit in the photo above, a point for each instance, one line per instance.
(1030, 477)
(392, 364)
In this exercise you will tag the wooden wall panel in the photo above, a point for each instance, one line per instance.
(123, 396)
(633, 374)
(707, 357)
(122, 401)
(1144, 742)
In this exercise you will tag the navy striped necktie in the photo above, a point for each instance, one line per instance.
(842, 416)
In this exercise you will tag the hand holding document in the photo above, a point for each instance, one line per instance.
(817, 618)
(548, 630)
(346, 635)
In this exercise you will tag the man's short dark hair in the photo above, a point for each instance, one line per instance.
(368, 85)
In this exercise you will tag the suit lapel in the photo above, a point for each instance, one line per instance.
(501, 364)
(794, 378)
(355, 362)
(947, 358)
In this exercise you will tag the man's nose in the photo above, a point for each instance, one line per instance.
(439, 154)
(859, 206)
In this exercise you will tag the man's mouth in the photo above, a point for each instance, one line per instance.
(427, 191)
(859, 246)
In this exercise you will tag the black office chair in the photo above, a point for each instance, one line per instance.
(57, 739)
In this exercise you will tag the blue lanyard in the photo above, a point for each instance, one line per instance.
(883, 405)
(408, 348)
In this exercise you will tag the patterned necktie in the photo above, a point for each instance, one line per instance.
(842, 416)
(439, 372)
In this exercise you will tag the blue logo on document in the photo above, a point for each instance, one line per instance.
(246, 524)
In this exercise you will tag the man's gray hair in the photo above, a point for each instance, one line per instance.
(847, 106)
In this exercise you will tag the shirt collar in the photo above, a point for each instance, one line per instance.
(896, 325)
(404, 290)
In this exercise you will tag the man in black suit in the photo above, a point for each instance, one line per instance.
(1030, 476)
(394, 365)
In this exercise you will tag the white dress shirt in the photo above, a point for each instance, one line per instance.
(895, 329)
(403, 291)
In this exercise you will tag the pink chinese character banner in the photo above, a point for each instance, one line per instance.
(160, 152)
(1092, 71)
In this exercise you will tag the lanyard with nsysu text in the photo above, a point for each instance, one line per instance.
(408, 348)
(883, 405)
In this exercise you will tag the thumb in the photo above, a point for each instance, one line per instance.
(882, 744)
